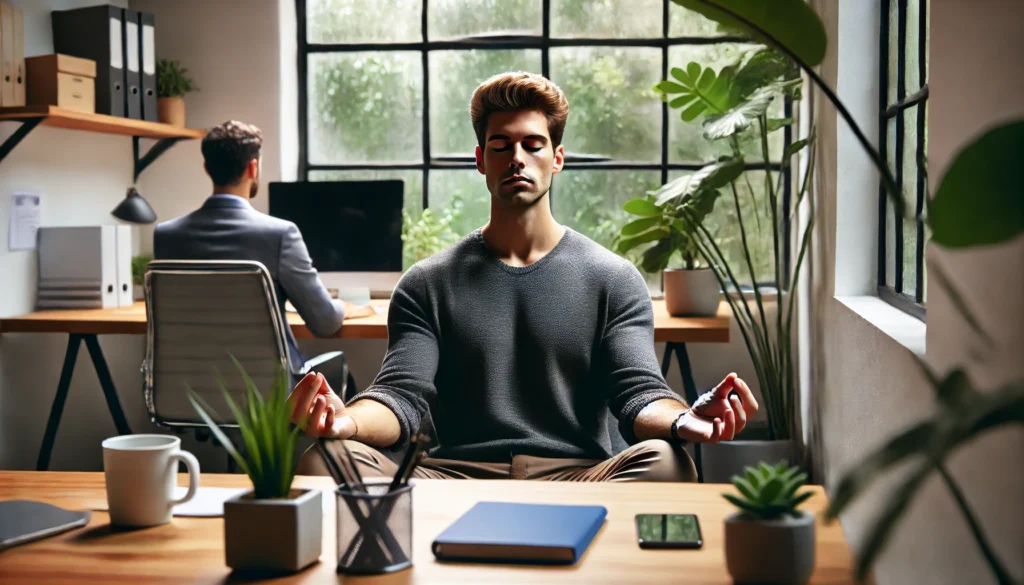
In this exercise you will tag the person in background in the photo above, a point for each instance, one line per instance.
(517, 340)
(227, 227)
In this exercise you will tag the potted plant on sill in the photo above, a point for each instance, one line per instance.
(172, 83)
(274, 527)
(768, 540)
(733, 107)
(977, 204)
(664, 219)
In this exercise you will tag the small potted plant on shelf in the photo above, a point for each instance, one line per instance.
(172, 83)
(273, 527)
(139, 264)
(668, 218)
(769, 541)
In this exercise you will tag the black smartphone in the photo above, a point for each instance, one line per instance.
(668, 531)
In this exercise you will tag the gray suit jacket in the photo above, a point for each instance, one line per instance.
(227, 227)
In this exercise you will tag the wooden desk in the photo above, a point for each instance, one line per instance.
(191, 550)
(84, 325)
(132, 321)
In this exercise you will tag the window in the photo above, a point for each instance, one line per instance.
(385, 87)
(903, 139)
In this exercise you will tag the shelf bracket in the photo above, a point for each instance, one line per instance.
(152, 154)
(27, 125)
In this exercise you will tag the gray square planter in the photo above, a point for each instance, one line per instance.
(770, 552)
(274, 534)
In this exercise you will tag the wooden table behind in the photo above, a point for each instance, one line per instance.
(190, 550)
(132, 321)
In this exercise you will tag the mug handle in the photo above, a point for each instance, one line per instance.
(192, 464)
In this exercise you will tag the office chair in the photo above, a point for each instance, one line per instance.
(198, 315)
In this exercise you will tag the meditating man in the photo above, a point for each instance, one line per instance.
(517, 340)
(227, 227)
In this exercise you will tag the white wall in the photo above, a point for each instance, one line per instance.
(871, 388)
(242, 55)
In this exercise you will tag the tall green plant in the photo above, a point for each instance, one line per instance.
(269, 440)
(734, 103)
(978, 203)
(427, 233)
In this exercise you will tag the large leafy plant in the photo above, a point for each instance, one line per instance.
(269, 440)
(733, 104)
(978, 203)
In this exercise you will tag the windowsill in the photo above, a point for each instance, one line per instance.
(901, 327)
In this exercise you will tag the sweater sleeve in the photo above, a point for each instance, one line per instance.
(405, 383)
(627, 349)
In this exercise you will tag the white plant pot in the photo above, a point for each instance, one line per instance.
(691, 293)
(277, 535)
(138, 293)
(770, 552)
(721, 461)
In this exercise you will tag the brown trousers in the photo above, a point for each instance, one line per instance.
(653, 460)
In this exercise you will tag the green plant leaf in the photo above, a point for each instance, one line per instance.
(980, 199)
(745, 488)
(740, 117)
(640, 225)
(743, 504)
(765, 470)
(794, 148)
(764, 68)
(771, 491)
(777, 123)
(712, 176)
(203, 409)
(642, 207)
(651, 235)
(669, 87)
(655, 259)
(799, 499)
(753, 477)
(793, 23)
(701, 90)
(790, 485)
(893, 510)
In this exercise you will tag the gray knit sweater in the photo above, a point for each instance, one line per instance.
(511, 360)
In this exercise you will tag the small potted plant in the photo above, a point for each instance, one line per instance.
(139, 264)
(172, 83)
(273, 527)
(769, 541)
(669, 217)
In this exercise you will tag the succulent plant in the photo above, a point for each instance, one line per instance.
(769, 492)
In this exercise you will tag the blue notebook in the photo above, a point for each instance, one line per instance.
(520, 533)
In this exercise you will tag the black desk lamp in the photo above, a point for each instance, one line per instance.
(134, 209)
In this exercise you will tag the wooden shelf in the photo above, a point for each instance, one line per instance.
(55, 117)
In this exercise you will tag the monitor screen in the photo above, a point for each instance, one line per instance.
(348, 226)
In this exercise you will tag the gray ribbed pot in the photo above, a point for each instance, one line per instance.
(691, 293)
(721, 461)
(770, 552)
(274, 535)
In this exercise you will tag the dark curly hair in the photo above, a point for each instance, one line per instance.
(228, 148)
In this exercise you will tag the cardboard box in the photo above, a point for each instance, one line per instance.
(62, 80)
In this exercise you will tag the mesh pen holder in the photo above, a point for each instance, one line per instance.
(374, 530)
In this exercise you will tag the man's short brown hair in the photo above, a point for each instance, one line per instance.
(228, 148)
(515, 91)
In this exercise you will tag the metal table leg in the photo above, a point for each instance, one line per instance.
(689, 388)
(106, 383)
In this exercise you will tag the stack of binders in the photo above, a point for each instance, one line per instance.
(12, 56)
(122, 43)
(85, 267)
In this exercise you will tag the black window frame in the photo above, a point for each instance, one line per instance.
(893, 293)
(544, 42)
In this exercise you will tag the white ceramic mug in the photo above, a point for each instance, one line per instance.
(141, 473)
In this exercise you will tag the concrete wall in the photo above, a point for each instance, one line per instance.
(242, 55)
(870, 387)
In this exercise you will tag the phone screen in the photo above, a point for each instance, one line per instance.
(668, 531)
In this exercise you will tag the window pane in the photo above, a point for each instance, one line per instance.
(912, 51)
(464, 192)
(894, 50)
(910, 194)
(453, 77)
(365, 107)
(451, 19)
(890, 221)
(686, 139)
(613, 110)
(724, 226)
(686, 23)
(606, 18)
(413, 180)
(359, 21)
(590, 202)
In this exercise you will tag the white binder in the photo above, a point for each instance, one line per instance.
(78, 268)
(7, 54)
(125, 298)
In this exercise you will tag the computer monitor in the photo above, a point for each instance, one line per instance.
(353, 229)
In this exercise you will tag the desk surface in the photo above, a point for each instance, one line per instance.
(190, 550)
(132, 321)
